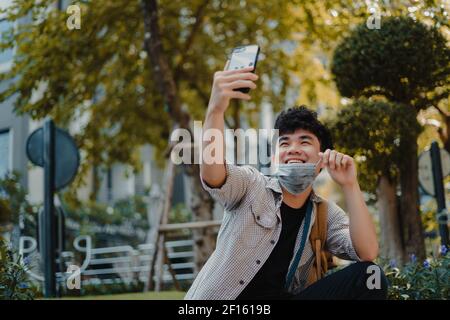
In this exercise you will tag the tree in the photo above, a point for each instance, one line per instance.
(16, 213)
(408, 63)
(321, 25)
(383, 125)
(14, 281)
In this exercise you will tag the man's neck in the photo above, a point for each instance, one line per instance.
(296, 201)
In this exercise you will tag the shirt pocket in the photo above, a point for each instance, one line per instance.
(259, 226)
(264, 215)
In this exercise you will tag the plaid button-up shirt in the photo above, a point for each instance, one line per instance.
(250, 230)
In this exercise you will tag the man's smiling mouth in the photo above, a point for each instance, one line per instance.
(295, 161)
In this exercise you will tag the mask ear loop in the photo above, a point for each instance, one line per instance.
(320, 160)
(317, 166)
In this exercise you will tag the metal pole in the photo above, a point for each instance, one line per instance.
(48, 253)
(439, 192)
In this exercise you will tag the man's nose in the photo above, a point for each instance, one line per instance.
(294, 150)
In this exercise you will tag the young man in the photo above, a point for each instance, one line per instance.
(264, 222)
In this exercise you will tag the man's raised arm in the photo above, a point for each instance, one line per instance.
(214, 174)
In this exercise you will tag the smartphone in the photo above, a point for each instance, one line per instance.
(241, 57)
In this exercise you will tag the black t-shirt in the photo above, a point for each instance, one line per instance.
(269, 282)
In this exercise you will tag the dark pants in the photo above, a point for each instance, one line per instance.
(348, 283)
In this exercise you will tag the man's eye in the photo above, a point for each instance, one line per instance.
(305, 142)
(283, 144)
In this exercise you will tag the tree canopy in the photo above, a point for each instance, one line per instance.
(405, 61)
(372, 131)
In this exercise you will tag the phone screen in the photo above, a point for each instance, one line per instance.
(243, 57)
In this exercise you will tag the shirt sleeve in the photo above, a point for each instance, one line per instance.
(231, 193)
(339, 242)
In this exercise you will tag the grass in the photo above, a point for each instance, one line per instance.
(164, 295)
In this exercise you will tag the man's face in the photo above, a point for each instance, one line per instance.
(299, 146)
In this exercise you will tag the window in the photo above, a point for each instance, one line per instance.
(5, 152)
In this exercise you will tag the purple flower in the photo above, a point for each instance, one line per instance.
(413, 258)
(426, 264)
(23, 285)
(393, 263)
(444, 249)
(26, 260)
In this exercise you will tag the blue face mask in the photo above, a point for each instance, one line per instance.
(297, 177)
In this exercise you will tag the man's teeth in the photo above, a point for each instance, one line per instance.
(295, 161)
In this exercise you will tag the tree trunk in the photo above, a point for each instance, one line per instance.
(444, 133)
(201, 202)
(159, 261)
(159, 64)
(409, 201)
(391, 245)
(202, 205)
(95, 184)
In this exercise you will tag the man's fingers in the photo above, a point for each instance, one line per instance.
(326, 156)
(345, 161)
(338, 160)
(239, 95)
(332, 159)
(228, 72)
(240, 84)
(240, 76)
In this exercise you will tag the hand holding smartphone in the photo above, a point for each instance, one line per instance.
(236, 80)
(242, 57)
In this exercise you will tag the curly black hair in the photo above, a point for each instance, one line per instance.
(303, 118)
